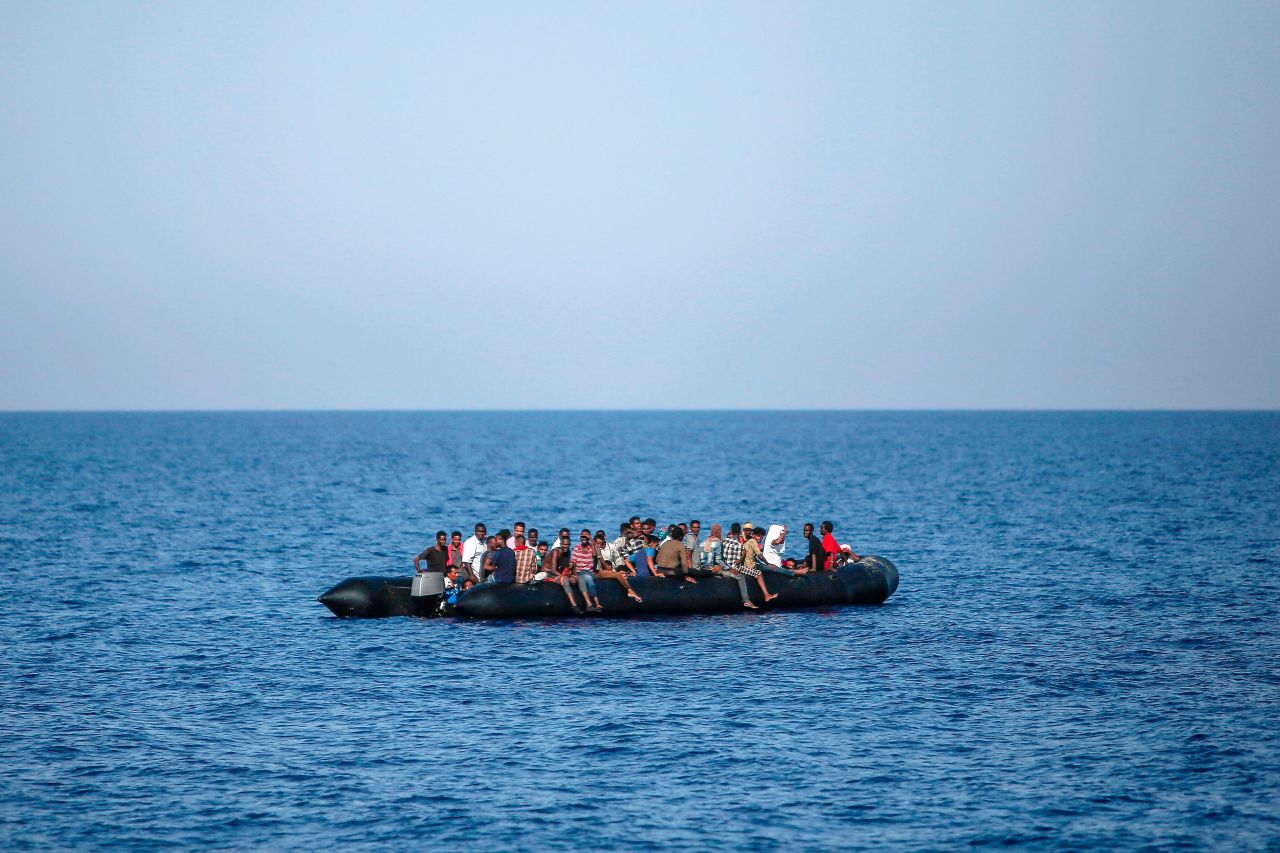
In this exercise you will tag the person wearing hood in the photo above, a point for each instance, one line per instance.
(775, 542)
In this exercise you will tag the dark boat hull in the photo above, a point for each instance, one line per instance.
(869, 581)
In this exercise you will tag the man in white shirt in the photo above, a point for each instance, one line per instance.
(473, 553)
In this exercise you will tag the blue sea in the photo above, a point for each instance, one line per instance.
(1083, 652)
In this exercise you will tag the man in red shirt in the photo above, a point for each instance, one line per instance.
(830, 545)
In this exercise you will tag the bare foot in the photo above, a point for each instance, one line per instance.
(749, 605)
(634, 597)
(771, 597)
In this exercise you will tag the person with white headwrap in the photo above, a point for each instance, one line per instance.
(775, 542)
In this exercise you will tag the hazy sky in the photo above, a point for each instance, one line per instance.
(685, 205)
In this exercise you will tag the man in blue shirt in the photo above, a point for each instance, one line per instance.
(504, 560)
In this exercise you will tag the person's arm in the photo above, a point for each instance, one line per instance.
(417, 562)
(765, 565)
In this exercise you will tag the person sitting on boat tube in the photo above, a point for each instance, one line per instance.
(609, 565)
(672, 559)
(774, 545)
(642, 565)
(557, 568)
(582, 566)
(732, 553)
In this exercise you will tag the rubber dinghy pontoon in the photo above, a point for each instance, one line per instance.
(871, 580)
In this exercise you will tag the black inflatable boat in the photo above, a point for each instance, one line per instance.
(871, 580)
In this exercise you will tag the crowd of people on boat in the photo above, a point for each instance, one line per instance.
(516, 555)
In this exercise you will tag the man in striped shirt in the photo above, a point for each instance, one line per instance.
(582, 565)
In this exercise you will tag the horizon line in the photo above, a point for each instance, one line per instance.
(869, 410)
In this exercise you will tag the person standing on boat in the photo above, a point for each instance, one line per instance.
(526, 561)
(692, 552)
(817, 558)
(486, 565)
(455, 549)
(503, 559)
(473, 551)
(437, 556)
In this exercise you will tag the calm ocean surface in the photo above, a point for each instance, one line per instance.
(1083, 652)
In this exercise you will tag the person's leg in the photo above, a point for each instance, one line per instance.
(680, 574)
(565, 584)
(587, 582)
(768, 596)
(610, 574)
(742, 587)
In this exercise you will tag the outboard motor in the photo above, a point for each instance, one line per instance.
(427, 593)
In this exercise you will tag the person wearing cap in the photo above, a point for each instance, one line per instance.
(733, 552)
(746, 532)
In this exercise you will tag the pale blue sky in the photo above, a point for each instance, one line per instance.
(685, 205)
